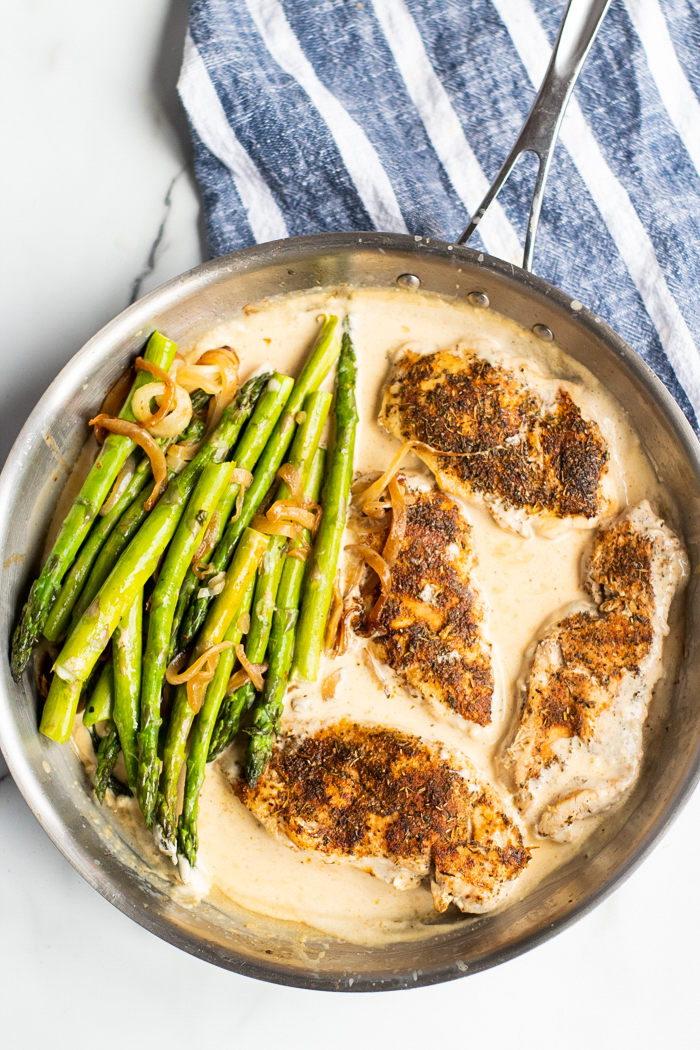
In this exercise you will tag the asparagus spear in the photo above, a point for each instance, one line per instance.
(126, 656)
(107, 755)
(302, 456)
(318, 365)
(129, 523)
(268, 712)
(101, 702)
(256, 644)
(319, 585)
(316, 407)
(73, 584)
(140, 559)
(245, 455)
(239, 581)
(94, 491)
(188, 536)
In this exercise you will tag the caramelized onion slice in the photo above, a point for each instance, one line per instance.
(214, 587)
(375, 508)
(168, 393)
(292, 476)
(142, 438)
(330, 684)
(208, 543)
(241, 677)
(278, 528)
(374, 490)
(118, 392)
(288, 510)
(336, 611)
(398, 523)
(176, 420)
(375, 561)
(301, 552)
(226, 359)
(252, 670)
(174, 678)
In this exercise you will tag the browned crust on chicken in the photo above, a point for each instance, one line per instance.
(430, 629)
(620, 568)
(592, 676)
(357, 793)
(514, 449)
(597, 653)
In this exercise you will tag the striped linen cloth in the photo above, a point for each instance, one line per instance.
(395, 115)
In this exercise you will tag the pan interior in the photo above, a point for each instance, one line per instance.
(52, 778)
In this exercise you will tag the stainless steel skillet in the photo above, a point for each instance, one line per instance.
(51, 778)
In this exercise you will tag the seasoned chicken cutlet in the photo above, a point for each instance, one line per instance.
(531, 458)
(579, 743)
(430, 631)
(394, 805)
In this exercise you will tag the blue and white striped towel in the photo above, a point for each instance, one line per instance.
(320, 115)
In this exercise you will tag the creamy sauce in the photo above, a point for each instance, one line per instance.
(526, 583)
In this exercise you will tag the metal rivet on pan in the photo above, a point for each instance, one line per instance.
(408, 280)
(478, 299)
(542, 332)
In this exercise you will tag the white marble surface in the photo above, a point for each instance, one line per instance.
(93, 139)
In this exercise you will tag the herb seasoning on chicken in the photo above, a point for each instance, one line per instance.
(523, 457)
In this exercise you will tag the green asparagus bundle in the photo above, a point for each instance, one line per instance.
(239, 582)
(107, 755)
(318, 591)
(94, 491)
(139, 561)
(190, 532)
(100, 703)
(129, 523)
(301, 460)
(268, 712)
(317, 367)
(245, 455)
(74, 582)
(126, 655)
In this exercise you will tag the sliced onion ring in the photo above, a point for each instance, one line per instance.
(336, 611)
(288, 510)
(279, 528)
(375, 508)
(214, 587)
(142, 438)
(118, 392)
(198, 675)
(301, 552)
(175, 422)
(167, 404)
(252, 670)
(176, 678)
(241, 677)
(291, 475)
(374, 490)
(226, 360)
(207, 545)
(398, 523)
(330, 684)
(374, 560)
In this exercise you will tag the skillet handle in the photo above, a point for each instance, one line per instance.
(541, 129)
